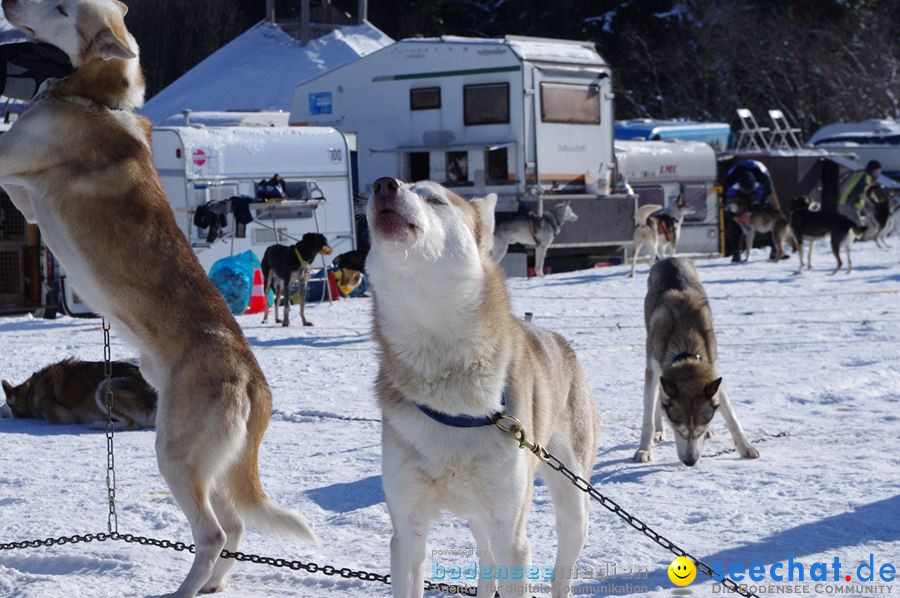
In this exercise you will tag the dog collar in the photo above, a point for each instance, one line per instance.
(303, 262)
(684, 355)
(463, 421)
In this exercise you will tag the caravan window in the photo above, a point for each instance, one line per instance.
(569, 103)
(457, 168)
(425, 98)
(419, 166)
(695, 198)
(497, 163)
(648, 195)
(486, 104)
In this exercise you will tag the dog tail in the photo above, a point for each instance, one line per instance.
(246, 490)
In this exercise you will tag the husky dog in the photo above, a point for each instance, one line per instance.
(681, 358)
(765, 220)
(531, 230)
(78, 165)
(880, 216)
(809, 225)
(280, 263)
(74, 392)
(654, 223)
(452, 358)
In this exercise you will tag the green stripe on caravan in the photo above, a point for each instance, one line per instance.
(496, 69)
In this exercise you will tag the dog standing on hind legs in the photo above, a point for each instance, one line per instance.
(680, 380)
(451, 359)
(78, 164)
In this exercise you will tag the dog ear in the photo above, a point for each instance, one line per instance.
(122, 6)
(112, 45)
(9, 389)
(485, 207)
(712, 388)
(679, 201)
(670, 389)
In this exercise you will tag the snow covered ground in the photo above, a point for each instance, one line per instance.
(816, 356)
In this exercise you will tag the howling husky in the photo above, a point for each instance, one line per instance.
(681, 357)
(452, 358)
(78, 165)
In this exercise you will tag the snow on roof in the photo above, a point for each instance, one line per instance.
(260, 69)
(536, 49)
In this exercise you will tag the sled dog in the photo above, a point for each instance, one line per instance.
(680, 379)
(534, 231)
(880, 216)
(280, 263)
(766, 220)
(451, 359)
(78, 165)
(809, 225)
(74, 392)
(654, 224)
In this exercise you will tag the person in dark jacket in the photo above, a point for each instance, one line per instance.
(26, 66)
(749, 179)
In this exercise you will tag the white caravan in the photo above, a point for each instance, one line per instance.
(868, 140)
(529, 119)
(199, 165)
(660, 171)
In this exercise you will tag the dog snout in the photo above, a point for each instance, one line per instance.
(690, 461)
(385, 188)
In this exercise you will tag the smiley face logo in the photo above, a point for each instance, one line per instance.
(682, 571)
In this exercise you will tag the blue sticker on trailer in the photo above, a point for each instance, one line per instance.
(320, 102)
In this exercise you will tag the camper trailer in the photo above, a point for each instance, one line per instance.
(660, 171)
(202, 166)
(867, 140)
(718, 135)
(529, 119)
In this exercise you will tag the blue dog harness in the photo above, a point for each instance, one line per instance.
(464, 421)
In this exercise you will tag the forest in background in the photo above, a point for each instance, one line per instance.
(817, 60)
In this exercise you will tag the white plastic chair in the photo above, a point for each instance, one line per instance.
(751, 135)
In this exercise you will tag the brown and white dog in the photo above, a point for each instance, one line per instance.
(74, 392)
(452, 357)
(655, 226)
(78, 165)
(766, 220)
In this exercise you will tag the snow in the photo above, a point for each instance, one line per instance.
(813, 355)
(260, 69)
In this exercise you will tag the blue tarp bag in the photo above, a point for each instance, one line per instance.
(233, 276)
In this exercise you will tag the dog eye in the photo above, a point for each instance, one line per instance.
(434, 201)
(61, 10)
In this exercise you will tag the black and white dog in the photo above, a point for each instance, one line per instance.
(809, 225)
(281, 262)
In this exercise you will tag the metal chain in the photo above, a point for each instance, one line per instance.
(513, 427)
(112, 519)
(757, 441)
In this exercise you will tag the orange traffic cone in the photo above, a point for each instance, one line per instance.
(257, 294)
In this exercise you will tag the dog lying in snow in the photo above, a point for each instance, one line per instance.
(74, 392)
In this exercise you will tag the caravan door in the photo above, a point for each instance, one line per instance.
(570, 113)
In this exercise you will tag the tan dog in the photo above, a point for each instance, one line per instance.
(74, 392)
(681, 358)
(766, 220)
(451, 358)
(78, 164)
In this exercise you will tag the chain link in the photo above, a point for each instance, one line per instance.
(112, 518)
(512, 427)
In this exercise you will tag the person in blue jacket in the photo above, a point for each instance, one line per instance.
(26, 66)
(750, 179)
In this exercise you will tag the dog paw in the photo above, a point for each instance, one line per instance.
(642, 456)
(749, 452)
(659, 436)
(285, 323)
(307, 323)
(212, 588)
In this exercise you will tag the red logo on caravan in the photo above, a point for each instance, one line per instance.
(668, 169)
(199, 157)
